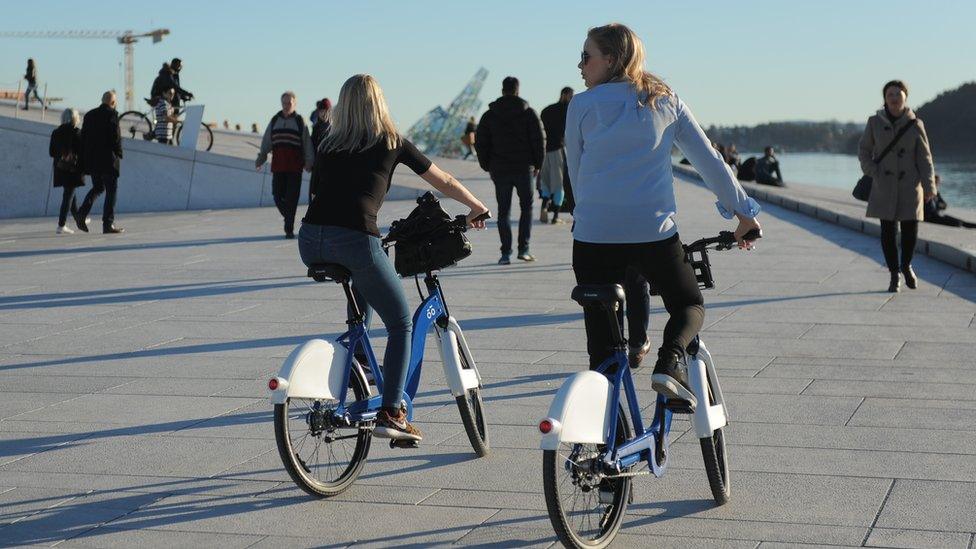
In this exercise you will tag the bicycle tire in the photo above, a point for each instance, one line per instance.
(207, 136)
(132, 123)
(472, 410)
(299, 472)
(715, 456)
(612, 518)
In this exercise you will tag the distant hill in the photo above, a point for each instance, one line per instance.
(795, 136)
(950, 120)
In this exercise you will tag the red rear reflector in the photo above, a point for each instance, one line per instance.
(545, 426)
(273, 384)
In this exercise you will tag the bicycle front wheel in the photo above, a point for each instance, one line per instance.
(321, 454)
(135, 125)
(472, 410)
(715, 455)
(586, 510)
(204, 140)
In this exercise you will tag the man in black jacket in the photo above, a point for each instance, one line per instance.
(552, 184)
(169, 78)
(101, 143)
(510, 147)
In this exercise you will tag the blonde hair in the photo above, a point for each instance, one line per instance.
(627, 50)
(71, 116)
(360, 118)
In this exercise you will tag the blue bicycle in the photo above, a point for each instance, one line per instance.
(590, 451)
(324, 408)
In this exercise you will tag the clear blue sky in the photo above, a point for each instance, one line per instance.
(734, 62)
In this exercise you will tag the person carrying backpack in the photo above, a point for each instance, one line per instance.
(290, 146)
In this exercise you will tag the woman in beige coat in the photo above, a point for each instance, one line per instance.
(903, 180)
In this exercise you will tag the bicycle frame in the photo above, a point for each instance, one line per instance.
(431, 313)
(642, 446)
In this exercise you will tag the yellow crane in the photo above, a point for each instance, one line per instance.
(126, 38)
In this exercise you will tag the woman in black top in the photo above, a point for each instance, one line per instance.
(351, 177)
(65, 149)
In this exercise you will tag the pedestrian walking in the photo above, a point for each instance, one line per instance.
(101, 144)
(320, 122)
(553, 166)
(65, 149)
(166, 118)
(902, 180)
(625, 210)
(511, 148)
(287, 140)
(31, 77)
(467, 138)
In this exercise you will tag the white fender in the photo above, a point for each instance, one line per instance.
(580, 412)
(458, 379)
(314, 369)
(707, 417)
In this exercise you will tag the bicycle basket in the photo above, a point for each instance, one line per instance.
(425, 240)
(702, 268)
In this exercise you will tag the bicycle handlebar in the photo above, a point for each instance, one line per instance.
(725, 240)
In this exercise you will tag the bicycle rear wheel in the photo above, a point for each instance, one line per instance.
(135, 125)
(472, 410)
(715, 455)
(321, 454)
(204, 140)
(585, 510)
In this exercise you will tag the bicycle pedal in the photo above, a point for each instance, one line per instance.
(677, 406)
(403, 443)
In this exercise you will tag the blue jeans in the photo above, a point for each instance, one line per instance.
(375, 284)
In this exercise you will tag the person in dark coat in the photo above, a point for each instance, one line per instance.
(511, 149)
(552, 182)
(101, 142)
(65, 149)
(320, 121)
(31, 77)
(169, 77)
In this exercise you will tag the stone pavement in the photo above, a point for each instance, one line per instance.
(134, 410)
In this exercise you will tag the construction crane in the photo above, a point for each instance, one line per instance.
(126, 38)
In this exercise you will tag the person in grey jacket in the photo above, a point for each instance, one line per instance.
(625, 210)
(901, 182)
(287, 140)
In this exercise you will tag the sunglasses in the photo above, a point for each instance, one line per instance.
(584, 57)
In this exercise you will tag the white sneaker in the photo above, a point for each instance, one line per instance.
(64, 230)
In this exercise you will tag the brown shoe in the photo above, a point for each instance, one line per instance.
(395, 426)
(637, 354)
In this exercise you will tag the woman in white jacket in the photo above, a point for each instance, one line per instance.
(619, 136)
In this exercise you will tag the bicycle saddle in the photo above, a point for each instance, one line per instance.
(322, 272)
(598, 294)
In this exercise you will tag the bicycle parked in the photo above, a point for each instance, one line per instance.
(324, 406)
(591, 452)
(135, 125)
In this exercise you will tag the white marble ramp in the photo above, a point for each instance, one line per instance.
(133, 409)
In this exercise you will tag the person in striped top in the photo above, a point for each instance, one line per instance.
(165, 117)
(287, 141)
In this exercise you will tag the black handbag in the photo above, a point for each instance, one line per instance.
(426, 240)
(862, 190)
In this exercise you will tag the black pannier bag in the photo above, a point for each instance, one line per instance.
(427, 239)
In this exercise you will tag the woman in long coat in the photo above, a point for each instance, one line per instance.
(902, 181)
(65, 149)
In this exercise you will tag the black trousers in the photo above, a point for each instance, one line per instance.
(521, 184)
(286, 187)
(909, 236)
(638, 307)
(662, 264)
(104, 183)
(67, 202)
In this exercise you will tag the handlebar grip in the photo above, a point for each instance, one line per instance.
(754, 234)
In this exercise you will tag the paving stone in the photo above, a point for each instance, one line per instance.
(106, 537)
(929, 505)
(917, 539)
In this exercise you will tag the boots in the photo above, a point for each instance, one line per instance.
(895, 285)
(910, 279)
